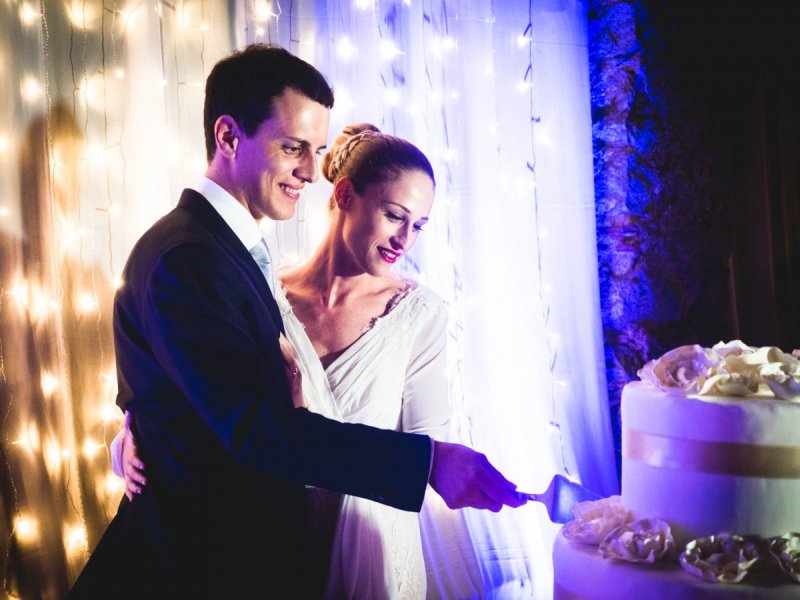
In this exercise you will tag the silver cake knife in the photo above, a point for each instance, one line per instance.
(561, 496)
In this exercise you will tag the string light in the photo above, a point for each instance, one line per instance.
(75, 539)
(53, 455)
(26, 529)
(49, 384)
(344, 100)
(91, 448)
(391, 96)
(262, 11)
(30, 88)
(345, 49)
(387, 50)
(28, 14)
(29, 438)
(86, 303)
(114, 486)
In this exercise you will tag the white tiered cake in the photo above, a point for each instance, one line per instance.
(710, 458)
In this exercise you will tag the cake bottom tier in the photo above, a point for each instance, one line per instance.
(580, 573)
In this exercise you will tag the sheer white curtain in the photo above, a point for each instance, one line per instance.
(497, 95)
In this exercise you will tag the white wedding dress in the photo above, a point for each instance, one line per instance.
(394, 376)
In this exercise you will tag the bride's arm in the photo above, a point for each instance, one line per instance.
(426, 404)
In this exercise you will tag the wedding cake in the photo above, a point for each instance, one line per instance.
(710, 504)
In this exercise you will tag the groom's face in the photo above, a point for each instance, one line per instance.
(280, 158)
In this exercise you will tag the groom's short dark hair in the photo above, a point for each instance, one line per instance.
(245, 83)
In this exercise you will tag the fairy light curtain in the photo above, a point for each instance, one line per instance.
(101, 130)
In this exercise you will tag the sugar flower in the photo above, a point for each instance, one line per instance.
(726, 369)
(594, 519)
(683, 369)
(785, 550)
(722, 558)
(642, 541)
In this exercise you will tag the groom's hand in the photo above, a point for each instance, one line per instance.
(466, 478)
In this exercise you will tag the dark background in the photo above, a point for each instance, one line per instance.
(696, 138)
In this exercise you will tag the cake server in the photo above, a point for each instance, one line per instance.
(560, 496)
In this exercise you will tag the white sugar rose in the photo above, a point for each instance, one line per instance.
(785, 550)
(732, 348)
(683, 369)
(722, 558)
(594, 519)
(642, 541)
(726, 369)
(781, 372)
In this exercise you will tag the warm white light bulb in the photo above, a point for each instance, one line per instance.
(110, 413)
(53, 455)
(74, 538)
(113, 484)
(91, 448)
(29, 437)
(28, 14)
(86, 303)
(262, 11)
(26, 529)
(81, 14)
(49, 384)
(30, 88)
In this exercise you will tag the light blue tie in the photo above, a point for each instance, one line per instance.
(263, 259)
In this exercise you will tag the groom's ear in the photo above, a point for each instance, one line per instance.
(226, 134)
(343, 193)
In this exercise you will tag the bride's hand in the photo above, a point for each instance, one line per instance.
(292, 369)
(132, 466)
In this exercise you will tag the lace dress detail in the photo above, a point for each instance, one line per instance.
(393, 301)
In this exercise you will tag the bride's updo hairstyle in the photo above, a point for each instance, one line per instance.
(365, 155)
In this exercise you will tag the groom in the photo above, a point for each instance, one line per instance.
(201, 373)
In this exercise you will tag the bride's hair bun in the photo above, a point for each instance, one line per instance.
(343, 147)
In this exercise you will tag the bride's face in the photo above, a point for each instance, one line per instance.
(383, 223)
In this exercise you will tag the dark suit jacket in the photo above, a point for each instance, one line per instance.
(227, 456)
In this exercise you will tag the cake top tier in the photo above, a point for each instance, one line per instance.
(726, 369)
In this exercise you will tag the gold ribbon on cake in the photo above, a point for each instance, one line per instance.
(722, 458)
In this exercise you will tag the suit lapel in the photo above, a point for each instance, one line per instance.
(202, 210)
